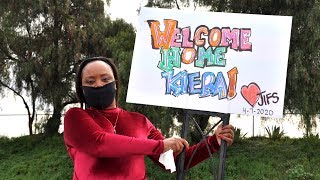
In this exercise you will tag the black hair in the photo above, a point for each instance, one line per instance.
(86, 61)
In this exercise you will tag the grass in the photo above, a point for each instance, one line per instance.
(34, 157)
(39, 157)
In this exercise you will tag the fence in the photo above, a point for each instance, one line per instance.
(14, 125)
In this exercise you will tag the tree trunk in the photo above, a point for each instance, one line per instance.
(30, 117)
(307, 122)
(33, 100)
(53, 123)
(30, 122)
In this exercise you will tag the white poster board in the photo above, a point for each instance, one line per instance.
(217, 62)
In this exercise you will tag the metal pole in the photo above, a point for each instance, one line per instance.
(223, 152)
(252, 126)
(181, 157)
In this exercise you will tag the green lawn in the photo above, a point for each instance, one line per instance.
(36, 157)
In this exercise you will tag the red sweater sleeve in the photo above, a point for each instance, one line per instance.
(201, 154)
(82, 133)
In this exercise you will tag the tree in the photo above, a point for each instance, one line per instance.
(19, 63)
(72, 23)
(62, 33)
(42, 41)
(303, 72)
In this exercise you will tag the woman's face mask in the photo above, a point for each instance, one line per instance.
(99, 97)
(98, 85)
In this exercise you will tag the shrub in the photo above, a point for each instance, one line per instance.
(238, 135)
(298, 172)
(313, 136)
(275, 133)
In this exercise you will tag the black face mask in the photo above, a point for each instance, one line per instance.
(100, 97)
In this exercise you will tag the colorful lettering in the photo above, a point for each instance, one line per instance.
(209, 57)
(206, 48)
(245, 45)
(214, 37)
(169, 58)
(232, 75)
(175, 38)
(162, 38)
(188, 55)
(194, 81)
(207, 85)
(230, 38)
(198, 41)
(186, 43)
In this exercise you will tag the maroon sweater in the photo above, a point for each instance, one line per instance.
(98, 153)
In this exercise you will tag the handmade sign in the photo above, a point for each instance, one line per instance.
(217, 62)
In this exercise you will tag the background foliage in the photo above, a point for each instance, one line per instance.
(39, 157)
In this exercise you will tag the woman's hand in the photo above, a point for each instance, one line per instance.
(226, 133)
(176, 144)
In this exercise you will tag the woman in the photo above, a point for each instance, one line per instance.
(107, 142)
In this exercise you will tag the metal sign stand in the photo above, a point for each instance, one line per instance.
(224, 118)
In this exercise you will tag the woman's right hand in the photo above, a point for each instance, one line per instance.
(176, 144)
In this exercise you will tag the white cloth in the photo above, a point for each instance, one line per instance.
(167, 160)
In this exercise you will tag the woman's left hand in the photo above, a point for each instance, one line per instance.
(226, 133)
